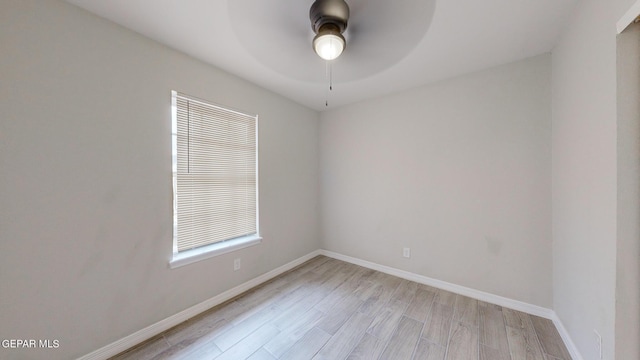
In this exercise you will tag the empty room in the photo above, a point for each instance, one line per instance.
(330, 179)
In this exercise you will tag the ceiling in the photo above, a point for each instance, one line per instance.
(391, 45)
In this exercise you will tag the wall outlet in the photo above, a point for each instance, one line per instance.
(406, 252)
(598, 339)
(236, 264)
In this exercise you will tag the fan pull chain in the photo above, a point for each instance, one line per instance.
(330, 78)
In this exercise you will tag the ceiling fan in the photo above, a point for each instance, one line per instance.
(380, 33)
(329, 20)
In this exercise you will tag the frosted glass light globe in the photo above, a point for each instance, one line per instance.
(328, 46)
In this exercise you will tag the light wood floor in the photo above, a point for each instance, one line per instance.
(329, 309)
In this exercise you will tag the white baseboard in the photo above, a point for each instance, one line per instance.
(628, 17)
(163, 325)
(564, 334)
(472, 293)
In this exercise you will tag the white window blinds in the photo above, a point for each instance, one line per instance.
(215, 173)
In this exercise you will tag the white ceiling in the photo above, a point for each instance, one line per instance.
(391, 45)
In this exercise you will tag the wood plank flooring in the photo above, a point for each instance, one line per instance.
(329, 309)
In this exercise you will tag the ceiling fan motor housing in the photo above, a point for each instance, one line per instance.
(329, 13)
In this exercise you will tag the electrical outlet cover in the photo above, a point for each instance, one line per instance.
(598, 343)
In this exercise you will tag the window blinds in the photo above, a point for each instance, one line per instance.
(215, 182)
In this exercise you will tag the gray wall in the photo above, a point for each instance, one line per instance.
(628, 253)
(85, 185)
(459, 171)
(466, 172)
(586, 177)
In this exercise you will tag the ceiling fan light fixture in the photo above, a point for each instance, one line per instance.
(328, 43)
(329, 20)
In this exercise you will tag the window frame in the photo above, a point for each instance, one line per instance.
(181, 258)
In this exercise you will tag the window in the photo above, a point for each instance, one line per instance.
(215, 187)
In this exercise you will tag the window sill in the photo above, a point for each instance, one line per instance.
(209, 251)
